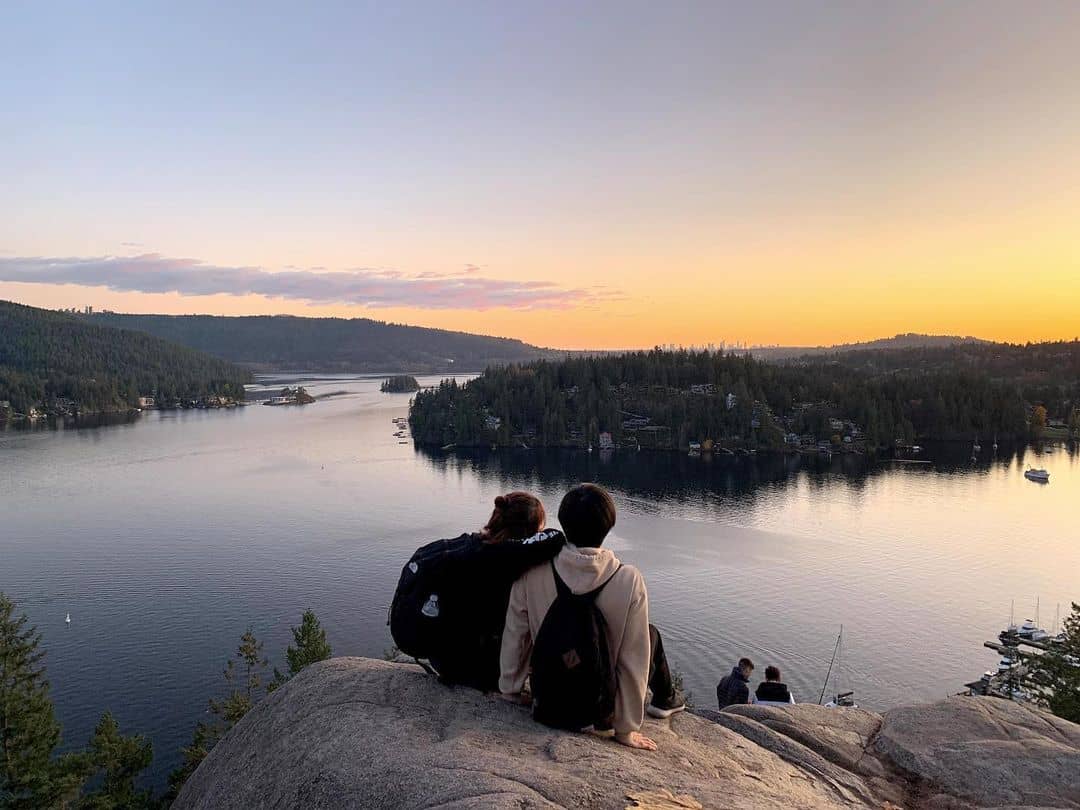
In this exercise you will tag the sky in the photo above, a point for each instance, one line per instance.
(604, 175)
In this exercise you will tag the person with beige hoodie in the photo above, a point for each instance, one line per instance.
(587, 514)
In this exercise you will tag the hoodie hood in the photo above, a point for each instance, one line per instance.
(737, 674)
(584, 569)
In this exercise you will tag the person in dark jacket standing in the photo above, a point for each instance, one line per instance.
(772, 690)
(734, 689)
(512, 542)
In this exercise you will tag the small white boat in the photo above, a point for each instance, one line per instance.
(67, 619)
(1042, 476)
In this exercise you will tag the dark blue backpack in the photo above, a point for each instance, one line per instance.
(422, 614)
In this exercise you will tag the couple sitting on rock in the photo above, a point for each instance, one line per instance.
(513, 604)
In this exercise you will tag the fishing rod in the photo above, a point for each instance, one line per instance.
(832, 661)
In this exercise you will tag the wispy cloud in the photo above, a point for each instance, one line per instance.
(377, 288)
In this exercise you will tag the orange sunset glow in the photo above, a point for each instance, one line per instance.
(654, 182)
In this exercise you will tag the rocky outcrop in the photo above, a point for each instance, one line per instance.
(964, 752)
(353, 732)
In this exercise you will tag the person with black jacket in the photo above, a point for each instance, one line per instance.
(771, 690)
(734, 689)
(512, 542)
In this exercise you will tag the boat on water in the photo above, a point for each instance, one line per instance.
(1031, 630)
(1042, 476)
(67, 619)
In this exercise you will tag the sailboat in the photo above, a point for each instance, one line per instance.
(67, 619)
(842, 700)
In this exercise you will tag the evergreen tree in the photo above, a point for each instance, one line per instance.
(1056, 673)
(244, 675)
(118, 760)
(30, 776)
(311, 644)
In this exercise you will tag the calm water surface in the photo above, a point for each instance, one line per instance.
(168, 537)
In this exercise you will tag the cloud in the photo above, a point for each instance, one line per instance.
(375, 288)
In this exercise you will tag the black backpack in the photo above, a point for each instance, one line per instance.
(573, 680)
(421, 614)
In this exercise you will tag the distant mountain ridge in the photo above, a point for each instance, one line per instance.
(286, 342)
(907, 340)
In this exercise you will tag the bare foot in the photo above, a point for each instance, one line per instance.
(635, 739)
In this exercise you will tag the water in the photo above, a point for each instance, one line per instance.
(167, 537)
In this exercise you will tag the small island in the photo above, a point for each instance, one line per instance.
(399, 384)
(291, 396)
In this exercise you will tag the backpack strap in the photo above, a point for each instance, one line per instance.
(596, 591)
(561, 588)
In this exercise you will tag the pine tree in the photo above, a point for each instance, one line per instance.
(244, 675)
(1056, 673)
(30, 777)
(311, 646)
(119, 760)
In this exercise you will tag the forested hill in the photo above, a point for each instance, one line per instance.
(283, 342)
(677, 399)
(47, 355)
(1044, 373)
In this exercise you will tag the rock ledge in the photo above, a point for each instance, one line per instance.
(360, 733)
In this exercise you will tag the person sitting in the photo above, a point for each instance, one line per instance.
(734, 689)
(771, 690)
(633, 649)
(475, 574)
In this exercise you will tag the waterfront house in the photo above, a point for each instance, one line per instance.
(729, 400)
(605, 441)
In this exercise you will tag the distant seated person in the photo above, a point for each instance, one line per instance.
(578, 629)
(450, 603)
(734, 689)
(771, 690)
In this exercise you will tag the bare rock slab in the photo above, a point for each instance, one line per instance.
(359, 733)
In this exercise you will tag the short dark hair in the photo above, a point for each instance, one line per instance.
(772, 673)
(587, 513)
(746, 663)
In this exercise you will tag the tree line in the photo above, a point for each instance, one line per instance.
(105, 774)
(687, 396)
(47, 356)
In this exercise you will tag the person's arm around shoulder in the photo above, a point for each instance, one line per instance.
(632, 668)
(516, 643)
(519, 556)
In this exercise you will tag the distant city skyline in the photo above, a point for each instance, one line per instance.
(602, 175)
